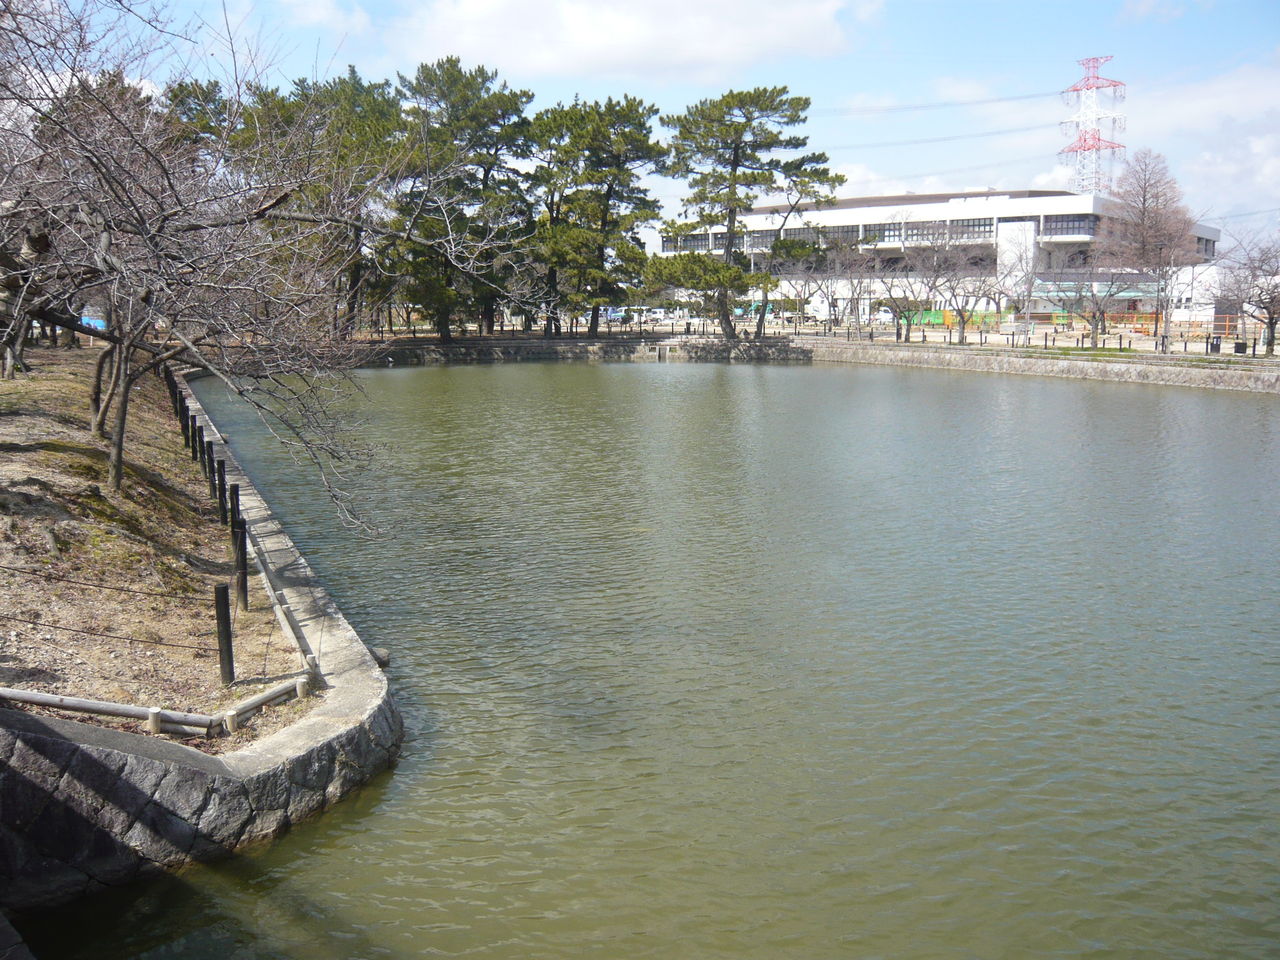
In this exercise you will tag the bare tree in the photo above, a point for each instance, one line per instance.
(1154, 233)
(959, 275)
(1092, 284)
(228, 244)
(1249, 279)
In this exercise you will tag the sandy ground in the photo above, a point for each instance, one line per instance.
(108, 595)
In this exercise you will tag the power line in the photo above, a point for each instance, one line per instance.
(43, 575)
(958, 136)
(935, 105)
(939, 173)
(1250, 213)
(104, 636)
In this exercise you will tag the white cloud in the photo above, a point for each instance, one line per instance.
(328, 15)
(1152, 9)
(1059, 178)
(1219, 134)
(701, 40)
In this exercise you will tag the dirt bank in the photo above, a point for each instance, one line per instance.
(109, 596)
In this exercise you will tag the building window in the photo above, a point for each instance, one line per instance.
(807, 234)
(717, 242)
(670, 244)
(760, 239)
(1206, 248)
(923, 230)
(1070, 224)
(840, 235)
(977, 229)
(883, 232)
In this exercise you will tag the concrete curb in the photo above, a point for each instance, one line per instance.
(82, 807)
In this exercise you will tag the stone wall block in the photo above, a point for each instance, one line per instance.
(42, 759)
(385, 731)
(15, 852)
(21, 800)
(346, 776)
(107, 859)
(265, 825)
(160, 835)
(138, 780)
(312, 769)
(268, 791)
(91, 779)
(226, 815)
(183, 793)
(60, 833)
(305, 801)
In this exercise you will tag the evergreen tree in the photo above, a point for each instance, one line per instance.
(731, 151)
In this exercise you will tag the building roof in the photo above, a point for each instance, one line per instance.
(851, 203)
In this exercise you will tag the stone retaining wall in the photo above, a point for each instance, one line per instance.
(671, 350)
(1258, 376)
(83, 807)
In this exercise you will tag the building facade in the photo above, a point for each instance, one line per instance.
(1049, 231)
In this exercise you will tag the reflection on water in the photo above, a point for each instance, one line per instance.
(761, 662)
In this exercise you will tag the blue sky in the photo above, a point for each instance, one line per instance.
(1202, 75)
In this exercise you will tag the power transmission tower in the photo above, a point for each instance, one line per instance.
(1089, 144)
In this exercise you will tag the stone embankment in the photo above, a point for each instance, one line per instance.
(653, 350)
(85, 807)
(1223, 374)
(1220, 374)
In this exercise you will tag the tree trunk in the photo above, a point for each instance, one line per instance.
(488, 315)
(764, 309)
(593, 325)
(118, 366)
(14, 346)
(99, 368)
(442, 325)
(1270, 350)
(124, 382)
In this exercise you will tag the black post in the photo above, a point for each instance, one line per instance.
(213, 473)
(242, 563)
(233, 491)
(195, 452)
(226, 662)
(200, 452)
(222, 492)
(186, 425)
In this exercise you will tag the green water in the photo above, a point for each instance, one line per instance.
(782, 662)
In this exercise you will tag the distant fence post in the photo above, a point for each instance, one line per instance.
(241, 545)
(213, 473)
(222, 492)
(226, 661)
(191, 421)
(183, 422)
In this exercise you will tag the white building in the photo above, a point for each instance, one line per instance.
(1057, 226)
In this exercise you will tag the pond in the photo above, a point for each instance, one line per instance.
(746, 662)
